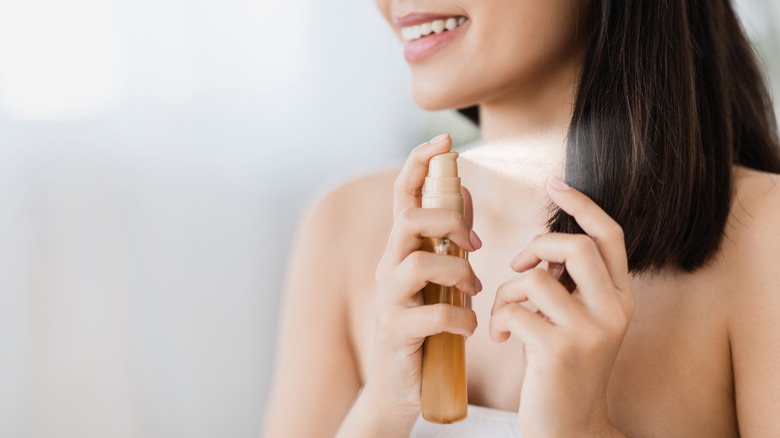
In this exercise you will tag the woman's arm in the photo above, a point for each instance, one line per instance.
(316, 390)
(316, 378)
(754, 327)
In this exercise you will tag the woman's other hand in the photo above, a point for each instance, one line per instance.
(403, 321)
(572, 341)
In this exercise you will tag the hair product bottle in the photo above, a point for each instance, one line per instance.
(444, 398)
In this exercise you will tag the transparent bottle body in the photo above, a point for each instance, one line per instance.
(444, 398)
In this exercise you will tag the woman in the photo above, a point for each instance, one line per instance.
(667, 230)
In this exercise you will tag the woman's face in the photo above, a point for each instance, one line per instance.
(501, 48)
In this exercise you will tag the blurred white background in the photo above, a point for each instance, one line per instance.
(155, 157)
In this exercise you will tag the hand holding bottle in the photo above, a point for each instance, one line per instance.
(403, 321)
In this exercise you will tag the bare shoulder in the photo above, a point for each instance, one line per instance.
(356, 214)
(347, 202)
(357, 203)
(754, 327)
(332, 239)
(753, 229)
(354, 197)
(757, 200)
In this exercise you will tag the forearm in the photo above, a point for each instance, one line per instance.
(368, 417)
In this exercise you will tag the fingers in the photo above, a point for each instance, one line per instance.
(407, 190)
(596, 261)
(580, 255)
(543, 290)
(517, 320)
(420, 268)
(413, 224)
(607, 234)
(418, 322)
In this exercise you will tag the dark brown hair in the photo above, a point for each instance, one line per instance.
(670, 98)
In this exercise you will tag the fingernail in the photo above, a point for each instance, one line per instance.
(474, 240)
(514, 259)
(438, 139)
(557, 184)
(477, 284)
(517, 255)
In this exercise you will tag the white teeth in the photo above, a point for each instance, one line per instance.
(412, 33)
(451, 24)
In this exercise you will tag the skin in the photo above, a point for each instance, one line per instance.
(663, 354)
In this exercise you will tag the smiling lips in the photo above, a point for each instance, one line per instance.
(425, 34)
(412, 33)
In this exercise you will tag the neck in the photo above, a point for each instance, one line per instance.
(524, 132)
(523, 141)
(542, 106)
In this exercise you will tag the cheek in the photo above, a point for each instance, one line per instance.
(531, 47)
(519, 47)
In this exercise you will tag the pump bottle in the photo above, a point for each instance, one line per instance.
(444, 398)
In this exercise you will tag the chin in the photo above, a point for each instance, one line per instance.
(431, 103)
(438, 97)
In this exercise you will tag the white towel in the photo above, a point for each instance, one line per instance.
(481, 422)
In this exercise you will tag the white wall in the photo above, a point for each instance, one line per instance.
(154, 159)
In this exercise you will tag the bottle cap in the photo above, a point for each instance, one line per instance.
(442, 185)
(443, 165)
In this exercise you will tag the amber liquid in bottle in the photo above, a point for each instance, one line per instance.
(444, 398)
